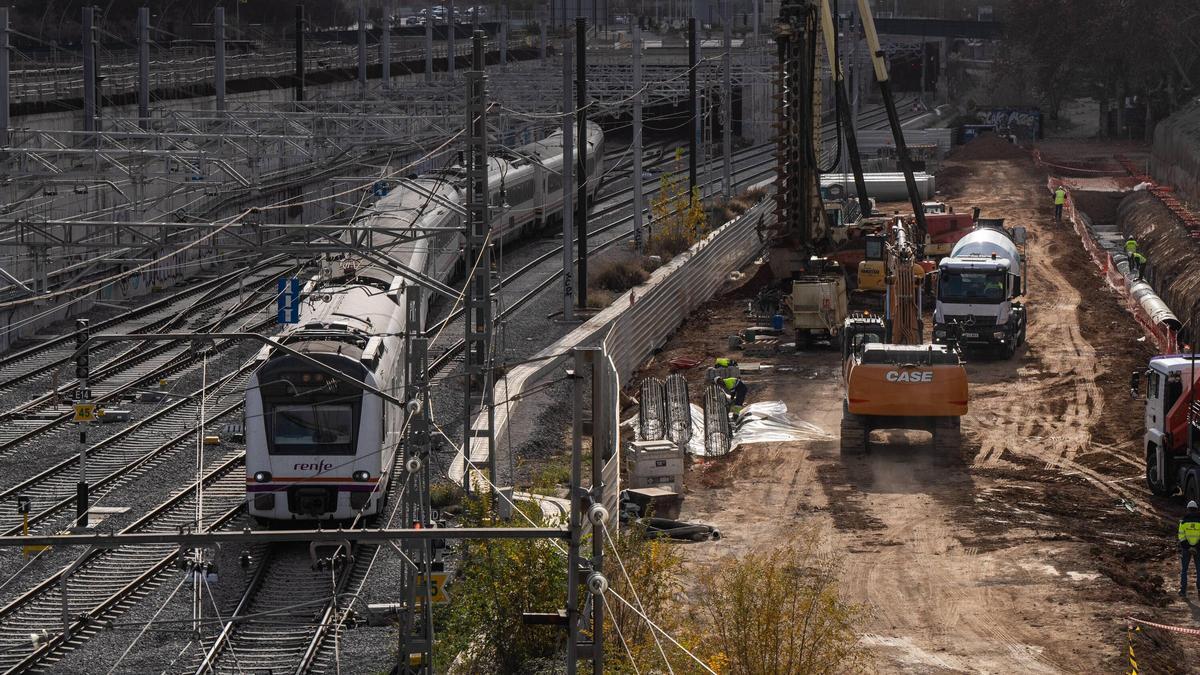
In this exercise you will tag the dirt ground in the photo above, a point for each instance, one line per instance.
(1025, 554)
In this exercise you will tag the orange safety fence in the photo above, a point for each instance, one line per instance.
(1165, 339)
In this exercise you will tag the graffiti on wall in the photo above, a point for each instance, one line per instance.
(1024, 123)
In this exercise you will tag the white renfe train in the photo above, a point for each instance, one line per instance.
(320, 449)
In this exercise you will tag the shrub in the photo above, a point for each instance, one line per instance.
(677, 215)
(780, 611)
(618, 276)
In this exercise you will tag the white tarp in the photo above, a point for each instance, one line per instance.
(762, 422)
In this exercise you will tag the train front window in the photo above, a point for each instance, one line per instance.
(311, 429)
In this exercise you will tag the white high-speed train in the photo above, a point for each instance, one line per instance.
(320, 449)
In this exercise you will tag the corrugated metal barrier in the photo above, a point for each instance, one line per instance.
(629, 330)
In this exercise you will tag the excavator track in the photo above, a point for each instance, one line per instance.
(947, 437)
(855, 434)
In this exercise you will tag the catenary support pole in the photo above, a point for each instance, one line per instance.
(727, 104)
(602, 422)
(144, 67)
(504, 38)
(89, 69)
(693, 107)
(574, 518)
(636, 48)
(82, 333)
(581, 172)
(385, 47)
(219, 58)
(429, 43)
(5, 96)
(451, 57)
(542, 42)
(568, 174)
(478, 300)
(362, 48)
(300, 52)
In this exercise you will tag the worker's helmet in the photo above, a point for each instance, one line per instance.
(1192, 506)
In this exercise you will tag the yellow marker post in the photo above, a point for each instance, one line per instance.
(23, 509)
(438, 588)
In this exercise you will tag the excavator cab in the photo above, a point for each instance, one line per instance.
(859, 331)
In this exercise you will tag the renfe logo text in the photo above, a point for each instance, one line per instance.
(313, 466)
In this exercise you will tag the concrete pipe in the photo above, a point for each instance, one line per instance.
(1154, 306)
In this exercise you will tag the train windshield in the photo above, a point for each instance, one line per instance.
(311, 429)
(972, 287)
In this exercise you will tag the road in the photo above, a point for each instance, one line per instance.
(1024, 554)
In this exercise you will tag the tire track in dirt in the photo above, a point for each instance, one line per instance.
(1057, 408)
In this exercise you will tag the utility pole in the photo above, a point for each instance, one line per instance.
(581, 177)
(727, 105)
(82, 333)
(478, 301)
(362, 48)
(300, 51)
(144, 67)
(89, 69)
(219, 58)
(636, 48)
(568, 173)
(693, 108)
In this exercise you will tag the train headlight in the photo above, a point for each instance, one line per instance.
(262, 477)
(361, 476)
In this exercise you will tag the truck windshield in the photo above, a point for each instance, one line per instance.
(972, 287)
(308, 429)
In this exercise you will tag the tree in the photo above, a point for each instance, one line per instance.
(780, 612)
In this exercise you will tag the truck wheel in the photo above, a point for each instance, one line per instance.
(1155, 482)
(855, 435)
(1190, 490)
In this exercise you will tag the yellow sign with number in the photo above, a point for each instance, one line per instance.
(437, 588)
(85, 412)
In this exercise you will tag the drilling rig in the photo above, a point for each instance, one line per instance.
(802, 231)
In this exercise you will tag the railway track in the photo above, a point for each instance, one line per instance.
(124, 456)
(38, 360)
(103, 583)
(288, 612)
(123, 374)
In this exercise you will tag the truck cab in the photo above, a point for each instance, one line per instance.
(978, 291)
(1172, 424)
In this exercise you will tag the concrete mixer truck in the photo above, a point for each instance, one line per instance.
(978, 289)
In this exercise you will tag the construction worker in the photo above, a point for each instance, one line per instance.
(1139, 263)
(1130, 246)
(1060, 198)
(723, 362)
(1189, 538)
(737, 390)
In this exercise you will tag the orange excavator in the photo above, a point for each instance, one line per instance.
(893, 378)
